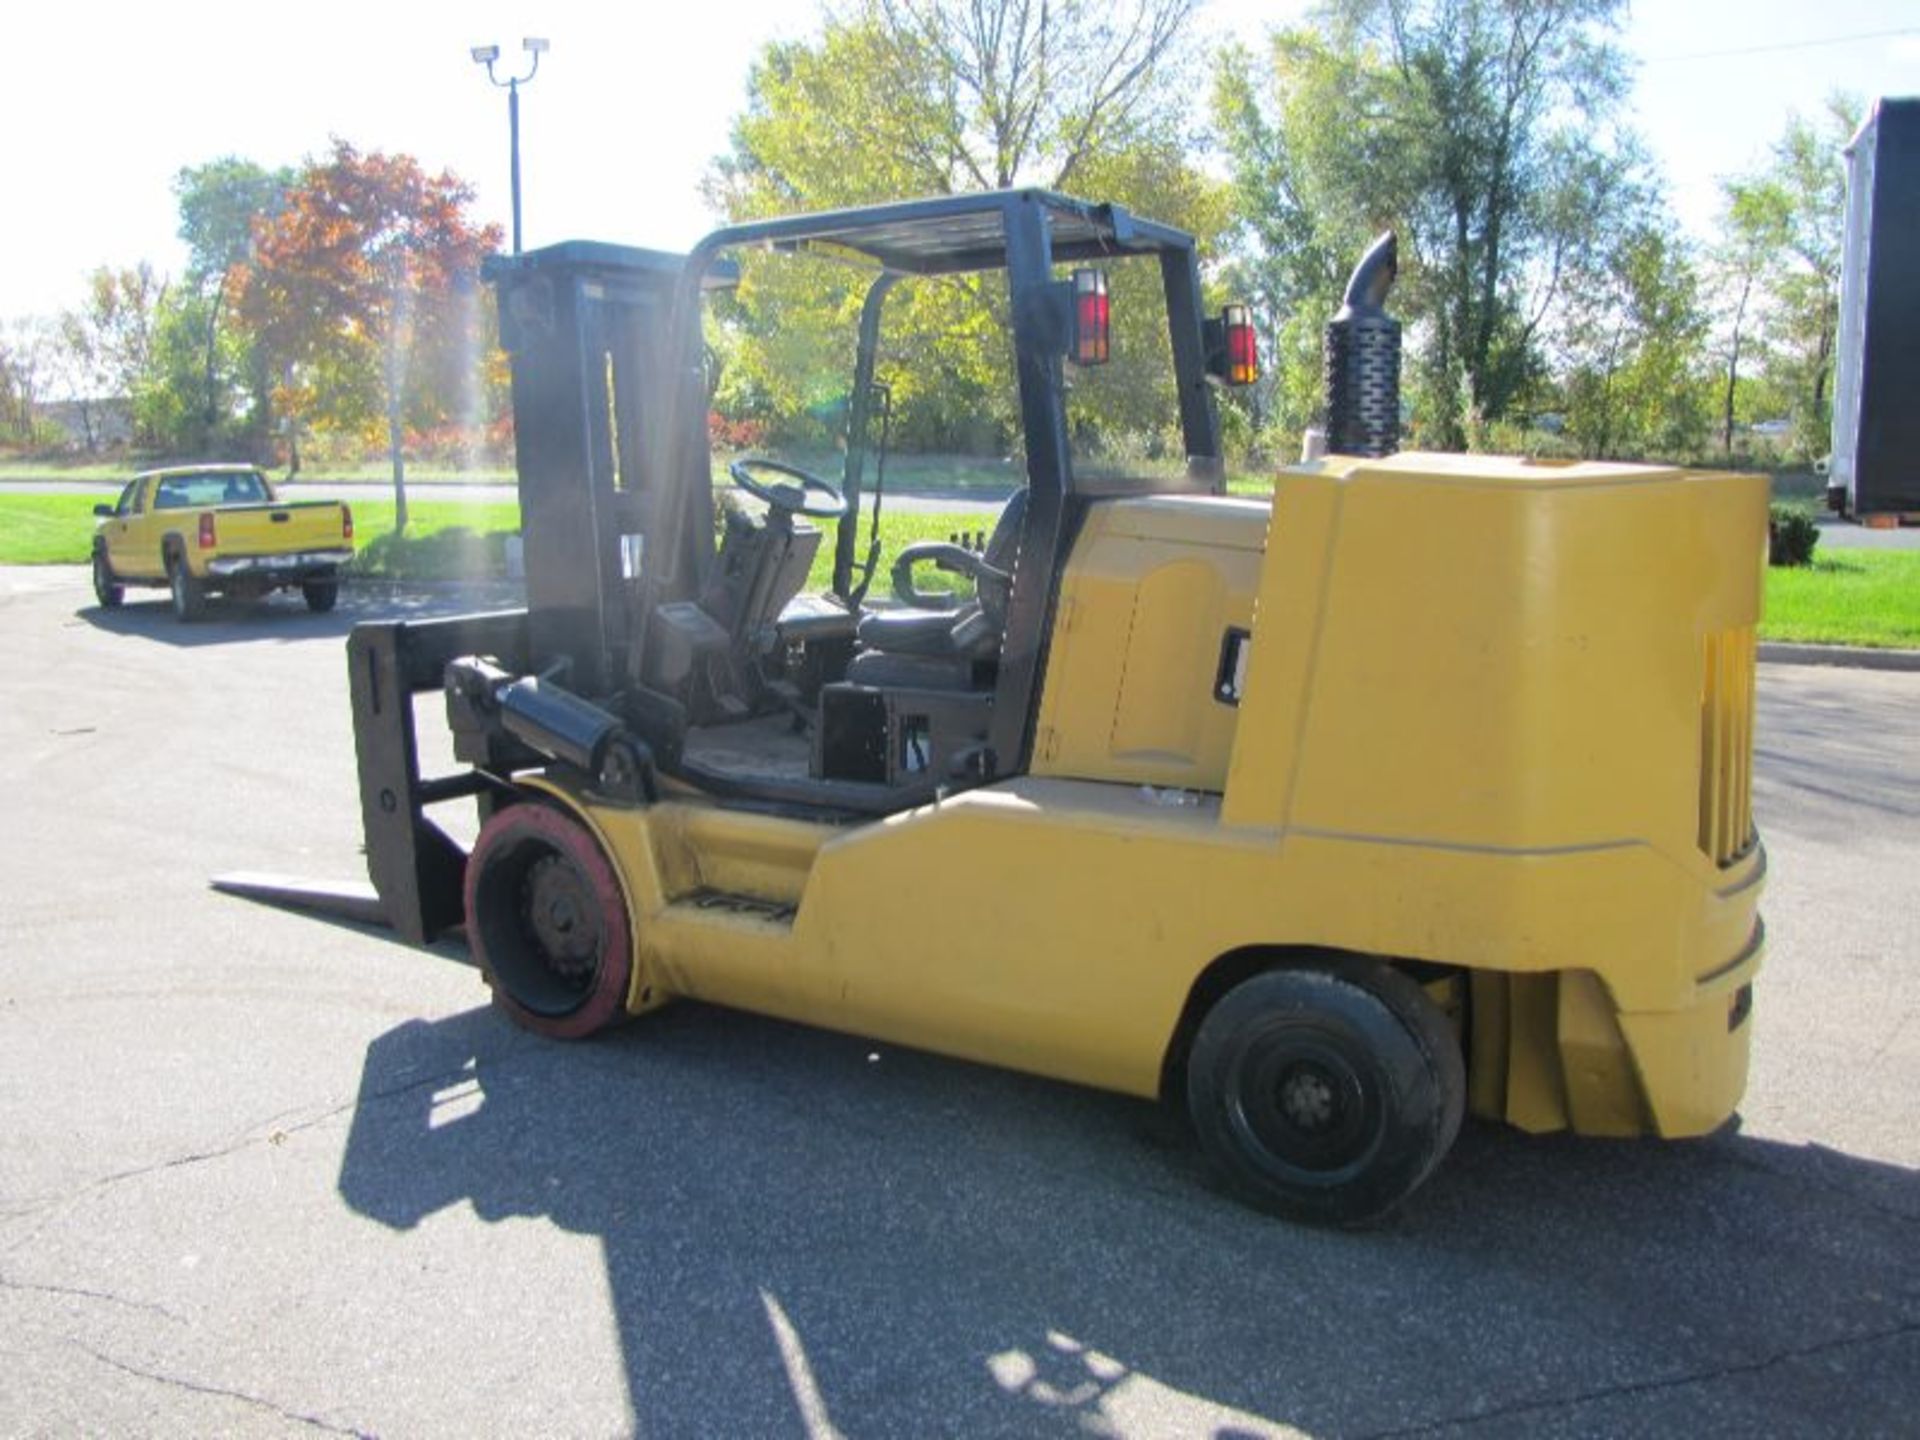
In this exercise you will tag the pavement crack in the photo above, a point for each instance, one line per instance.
(177, 1382)
(253, 1135)
(1648, 1387)
(79, 1292)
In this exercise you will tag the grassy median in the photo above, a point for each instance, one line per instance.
(1846, 597)
(445, 540)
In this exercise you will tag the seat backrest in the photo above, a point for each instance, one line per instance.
(1002, 553)
(1003, 546)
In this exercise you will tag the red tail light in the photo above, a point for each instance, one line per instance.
(1091, 317)
(206, 530)
(1243, 351)
(346, 522)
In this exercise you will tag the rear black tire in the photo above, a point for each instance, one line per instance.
(320, 595)
(1326, 1094)
(107, 590)
(189, 596)
(548, 922)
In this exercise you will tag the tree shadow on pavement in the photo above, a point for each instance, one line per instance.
(804, 1230)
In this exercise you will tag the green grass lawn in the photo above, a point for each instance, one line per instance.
(444, 540)
(1846, 597)
(58, 529)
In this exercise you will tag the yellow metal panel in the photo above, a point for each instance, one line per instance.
(1166, 689)
(1603, 1094)
(1507, 659)
(1692, 1060)
(1536, 1098)
(1286, 637)
(1146, 602)
(1726, 745)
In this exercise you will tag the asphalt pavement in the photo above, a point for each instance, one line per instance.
(267, 1175)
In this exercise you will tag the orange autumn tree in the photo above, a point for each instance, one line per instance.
(364, 294)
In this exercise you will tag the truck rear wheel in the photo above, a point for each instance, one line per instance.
(188, 595)
(107, 590)
(548, 922)
(320, 595)
(1326, 1094)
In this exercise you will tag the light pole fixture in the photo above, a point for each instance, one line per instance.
(486, 55)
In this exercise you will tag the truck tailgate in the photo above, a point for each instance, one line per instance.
(280, 528)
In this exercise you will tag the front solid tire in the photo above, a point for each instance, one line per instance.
(1326, 1094)
(547, 920)
(107, 590)
(188, 595)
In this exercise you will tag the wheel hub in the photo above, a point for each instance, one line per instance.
(560, 914)
(1307, 1098)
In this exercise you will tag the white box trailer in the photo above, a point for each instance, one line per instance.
(1875, 466)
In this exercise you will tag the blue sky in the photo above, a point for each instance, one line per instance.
(632, 103)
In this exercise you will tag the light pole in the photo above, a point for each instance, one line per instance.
(486, 55)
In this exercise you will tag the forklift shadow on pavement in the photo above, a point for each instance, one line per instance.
(282, 618)
(801, 1223)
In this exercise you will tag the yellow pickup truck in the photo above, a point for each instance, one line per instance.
(201, 529)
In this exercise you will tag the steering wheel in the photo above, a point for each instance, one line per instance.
(790, 498)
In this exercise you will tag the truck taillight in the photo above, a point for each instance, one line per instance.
(206, 530)
(346, 522)
(1243, 352)
(1091, 317)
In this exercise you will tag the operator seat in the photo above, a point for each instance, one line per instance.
(944, 649)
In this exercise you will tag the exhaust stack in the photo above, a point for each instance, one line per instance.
(1362, 357)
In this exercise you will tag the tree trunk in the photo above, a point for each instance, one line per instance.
(1733, 364)
(395, 434)
(213, 339)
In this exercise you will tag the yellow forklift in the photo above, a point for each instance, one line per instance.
(1422, 787)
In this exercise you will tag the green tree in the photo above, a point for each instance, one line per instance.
(969, 96)
(220, 203)
(107, 343)
(1808, 168)
(361, 292)
(1634, 331)
(29, 351)
(982, 95)
(1481, 130)
(1752, 239)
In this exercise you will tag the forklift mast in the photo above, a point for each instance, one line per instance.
(585, 327)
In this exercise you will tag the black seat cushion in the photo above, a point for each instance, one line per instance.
(910, 632)
(910, 672)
